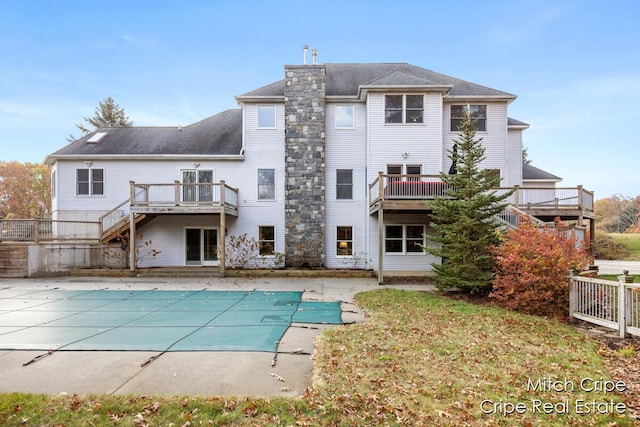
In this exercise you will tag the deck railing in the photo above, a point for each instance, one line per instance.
(550, 198)
(411, 187)
(37, 230)
(399, 187)
(184, 194)
(114, 217)
(607, 303)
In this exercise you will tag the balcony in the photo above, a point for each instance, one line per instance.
(409, 192)
(184, 198)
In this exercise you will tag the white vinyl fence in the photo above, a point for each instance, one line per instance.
(615, 305)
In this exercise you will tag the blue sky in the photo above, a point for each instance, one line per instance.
(574, 66)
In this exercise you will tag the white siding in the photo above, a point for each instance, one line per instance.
(514, 158)
(494, 140)
(422, 142)
(346, 149)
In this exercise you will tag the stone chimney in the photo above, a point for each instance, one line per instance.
(304, 98)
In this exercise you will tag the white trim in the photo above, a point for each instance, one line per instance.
(353, 116)
(202, 261)
(275, 124)
(275, 196)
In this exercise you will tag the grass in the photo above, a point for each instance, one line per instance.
(618, 246)
(631, 241)
(418, 359)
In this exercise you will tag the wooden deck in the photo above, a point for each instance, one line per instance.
(410, 192)
(181, 198)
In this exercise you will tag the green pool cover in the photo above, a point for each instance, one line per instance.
(154, 320)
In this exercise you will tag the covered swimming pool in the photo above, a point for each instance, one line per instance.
(154, 320)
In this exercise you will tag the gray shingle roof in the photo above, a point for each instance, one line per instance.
(516, 123)
(346, 79)
(216, 135)
(532, 172)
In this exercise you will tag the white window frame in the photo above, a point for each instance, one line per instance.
(405, 239)
(264, 115)
(405, 110)
(338, 116)
(272, 242)
(484, 119)
(259, 184)
(347, 241)
(90, 183)
(341, 184)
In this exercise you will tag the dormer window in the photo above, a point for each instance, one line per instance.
(404, 109)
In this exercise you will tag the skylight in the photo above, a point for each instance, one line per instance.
(95, 138)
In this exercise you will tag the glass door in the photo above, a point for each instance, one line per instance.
(201, 246)
(210, 246)
(197, 185)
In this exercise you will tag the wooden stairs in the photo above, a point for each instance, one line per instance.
(120, 230)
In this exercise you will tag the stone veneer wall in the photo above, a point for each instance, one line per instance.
(304, 165)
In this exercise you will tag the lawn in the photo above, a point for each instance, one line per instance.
(418, 359)
(631, 241)
(618, 246)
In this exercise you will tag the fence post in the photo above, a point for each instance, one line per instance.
(573, 290)
(624, 312)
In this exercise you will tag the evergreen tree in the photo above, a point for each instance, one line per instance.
(462, 220)
(108, 114)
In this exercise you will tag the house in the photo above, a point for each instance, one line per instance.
(329, 167)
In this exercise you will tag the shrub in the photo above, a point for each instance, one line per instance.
(239, 250)
(532, 270)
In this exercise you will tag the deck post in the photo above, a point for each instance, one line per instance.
(580, 197)
(177, 192)
(516, 197)
(380, 243)
(132, 242)
(36, 231)
(380, 185)
(223, 226)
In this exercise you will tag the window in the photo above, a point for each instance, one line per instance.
(495, 174)
(90, 182)
(344, 241)
(415, 238)
(478, 114)
(394, 170)
(266, 239)
(344, 117)
(197, 185)
(393, 238)
(404, 109)
(414, 172)
(267, 116)
(404, 238)
(266, 184)
(344, 184)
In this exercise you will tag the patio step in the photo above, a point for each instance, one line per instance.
(201, 272)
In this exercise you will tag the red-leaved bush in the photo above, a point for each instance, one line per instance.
(532, 269)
